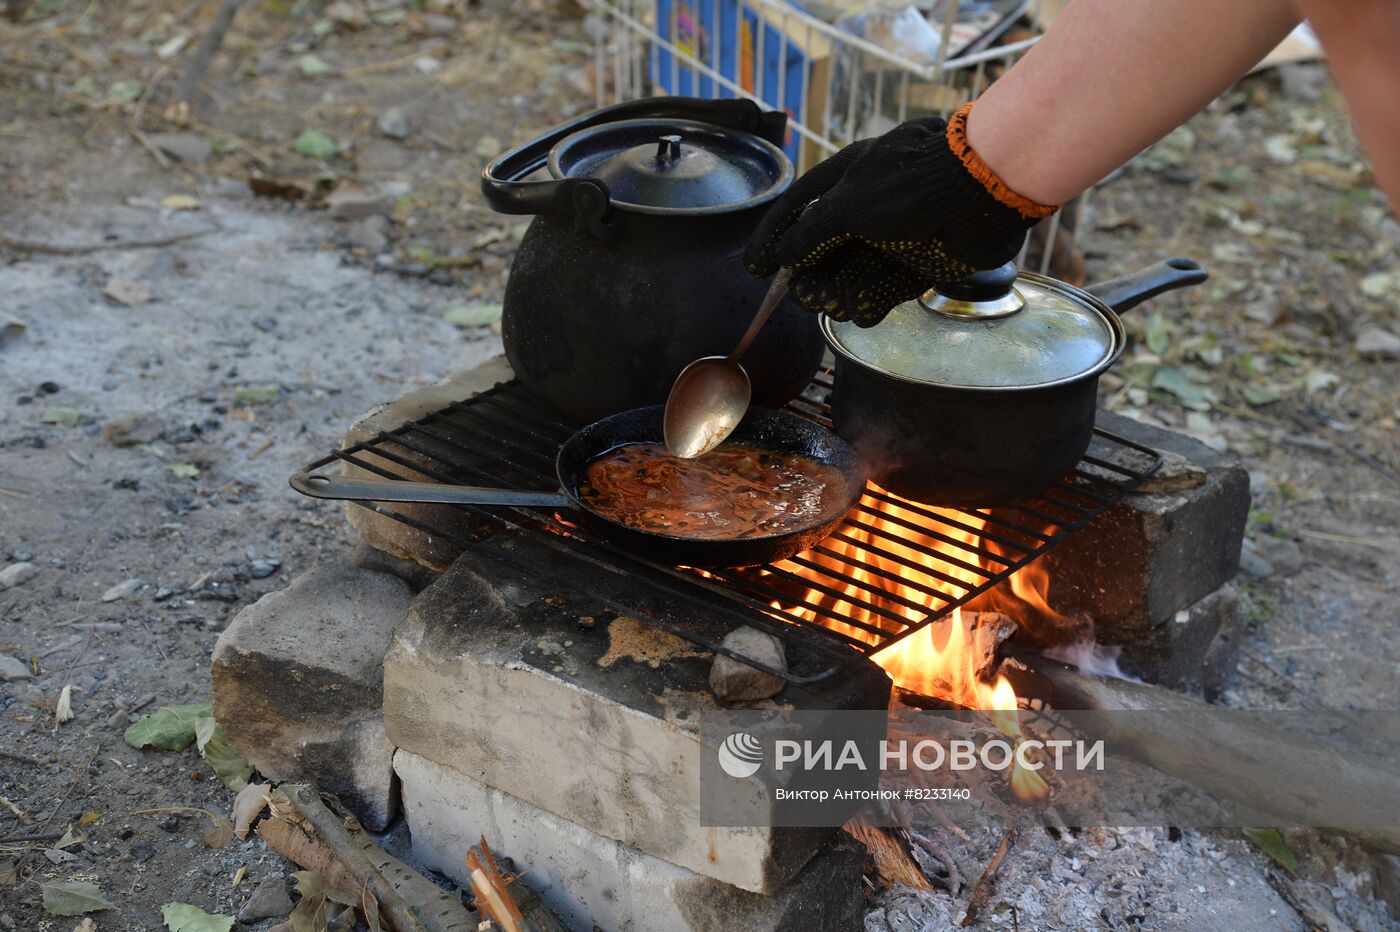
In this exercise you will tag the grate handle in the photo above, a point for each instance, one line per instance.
(393, 490)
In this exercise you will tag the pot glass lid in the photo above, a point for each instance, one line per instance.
(1011, 336)
(675, 166)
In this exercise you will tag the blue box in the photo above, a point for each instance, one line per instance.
(727, 40)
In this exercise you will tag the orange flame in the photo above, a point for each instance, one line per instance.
(891, 547)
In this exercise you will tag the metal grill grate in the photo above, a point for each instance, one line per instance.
(866, 587)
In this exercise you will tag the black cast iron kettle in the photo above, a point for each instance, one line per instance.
(632, 267)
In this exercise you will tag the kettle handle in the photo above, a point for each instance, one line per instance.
(587, 199)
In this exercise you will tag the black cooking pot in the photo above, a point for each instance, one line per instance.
(984, 392)
(632, 266)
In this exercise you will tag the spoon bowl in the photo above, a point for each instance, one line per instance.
(711, 395)
(709, 399)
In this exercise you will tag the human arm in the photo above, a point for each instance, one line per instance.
(1362, 39)
(1110, 78)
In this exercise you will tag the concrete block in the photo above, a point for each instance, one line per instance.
(1197, 647)
(497, 680)
(298, 684)
(1158, 552)
(394, 537)
(594, 882)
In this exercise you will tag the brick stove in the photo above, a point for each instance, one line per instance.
(532, 693)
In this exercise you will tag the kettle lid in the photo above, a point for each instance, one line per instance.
(661, 166)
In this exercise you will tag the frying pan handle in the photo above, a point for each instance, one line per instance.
(1126, 293)
(392, 490)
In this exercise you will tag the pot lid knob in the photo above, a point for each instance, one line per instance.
(668, 149)
(984, 295)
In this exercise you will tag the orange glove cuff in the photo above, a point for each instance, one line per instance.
(957, 142)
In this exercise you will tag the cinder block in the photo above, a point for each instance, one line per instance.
(394, 537)
(1197, 646)
(496, 680)
(593, 882)
(1158, 552)
(298, 684)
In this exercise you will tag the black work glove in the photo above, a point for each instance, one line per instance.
(893, 217)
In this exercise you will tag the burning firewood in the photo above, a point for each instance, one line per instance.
(893, 863)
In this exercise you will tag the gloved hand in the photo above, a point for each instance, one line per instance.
(893, 216)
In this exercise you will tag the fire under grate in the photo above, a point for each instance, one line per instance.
(868, 579)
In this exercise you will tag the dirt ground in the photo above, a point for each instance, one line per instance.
(161, 394)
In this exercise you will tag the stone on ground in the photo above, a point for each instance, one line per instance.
(735, 681)
(17, 573)
(269, 900)
(298, 684)
(394, 123)
(12, 669)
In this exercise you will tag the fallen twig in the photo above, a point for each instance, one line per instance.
(21, 758)
(55, 249)
(381, 67)
(133, 125)
(36, 836)
(199, 62)
(982, 890)
(928, 844)
(527, 912)
(19, 813)
(493, 900)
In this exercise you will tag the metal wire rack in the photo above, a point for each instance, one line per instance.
(835, 85)
(893, 567)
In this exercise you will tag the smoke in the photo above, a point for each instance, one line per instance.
(1091, 657)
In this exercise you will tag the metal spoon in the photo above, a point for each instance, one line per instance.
(712, 394)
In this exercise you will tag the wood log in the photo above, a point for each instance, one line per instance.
(305, 830)
(1247, 762)
(535, 915)
(893, 864)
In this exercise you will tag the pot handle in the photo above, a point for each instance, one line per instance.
(586, 199)
(392, 490)
(1126, 293)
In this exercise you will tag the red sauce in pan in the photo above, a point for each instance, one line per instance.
(732, 492)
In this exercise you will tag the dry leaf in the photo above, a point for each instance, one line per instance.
(370, 907)
(63, 898)
(127, 292)
(219, 834)
(180, 202)
(250, 801)
(87, 925)
(63, 712)
(69, 839)
(182, 917)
